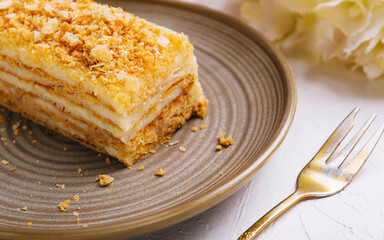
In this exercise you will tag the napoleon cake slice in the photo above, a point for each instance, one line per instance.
(96, 74)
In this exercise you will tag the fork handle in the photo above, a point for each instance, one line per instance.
(271, 215)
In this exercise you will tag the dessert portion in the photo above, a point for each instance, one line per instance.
(96, 74)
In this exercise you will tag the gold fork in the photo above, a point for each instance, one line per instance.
(324, 175)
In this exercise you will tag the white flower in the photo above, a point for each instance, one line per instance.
(348, 30)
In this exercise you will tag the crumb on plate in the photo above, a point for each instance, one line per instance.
(64, 205)
(104, 179)
(160, 172)
(76, 198)
(182, 149)
(225, 141)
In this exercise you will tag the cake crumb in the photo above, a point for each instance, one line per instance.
(13, 169)
(225, 141)
(78, 220)
(30, 132)
(24, 127)
(160, 172)
(85, 225)
(104, 179)
(4, 162)
(62, 186)
(78, 208)
(16, 132)
(76, 198)
(5, 144)
(140, 168)
(76, 213)
(29, 224)
(202, 127)
(168, 137)
(152, 151)
(65, 149)
(53, 178)
(219, 147)
(34, 141)
(24, 208)
(2, 118)
(203, 109)
(167, 141)
(99, 155)
(64, 205)
(194, 129)
(18, 209)
(182, 149)
(202, 137)
(173, 143)
(107, 160)
(79, 171)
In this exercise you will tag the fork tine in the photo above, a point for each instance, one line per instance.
(340, 158)
(336, 137)
(355, 165)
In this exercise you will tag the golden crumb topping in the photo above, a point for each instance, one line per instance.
(104, 179)
(100, 49)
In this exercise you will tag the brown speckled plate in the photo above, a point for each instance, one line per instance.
(252, 98)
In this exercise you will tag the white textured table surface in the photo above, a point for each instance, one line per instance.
(325, 96)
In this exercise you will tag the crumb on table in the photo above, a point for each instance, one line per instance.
(202, 126)
(160, 172)
(194, 129)
(219, 147)
(140, 168)
(152, 151)
(64, 205)
(104, 179)
(107, 160)
(29, 224)
(4, 162)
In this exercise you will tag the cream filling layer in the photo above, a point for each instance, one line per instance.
(86, 114)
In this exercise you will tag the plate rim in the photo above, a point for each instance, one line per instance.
(214, 196)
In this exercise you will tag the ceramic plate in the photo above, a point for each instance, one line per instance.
(252, 98)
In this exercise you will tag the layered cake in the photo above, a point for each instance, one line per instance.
(97, 74)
